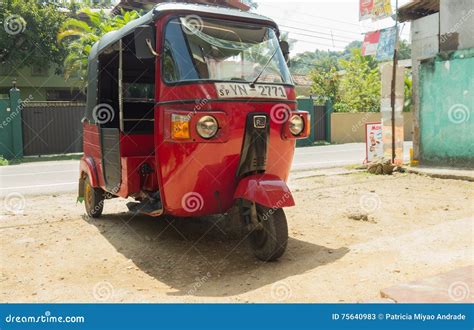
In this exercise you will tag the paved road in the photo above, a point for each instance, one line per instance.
(61, 176)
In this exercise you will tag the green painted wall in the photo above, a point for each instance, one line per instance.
(447, 110)
(30, 84)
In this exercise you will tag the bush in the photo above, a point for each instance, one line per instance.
(3, 161)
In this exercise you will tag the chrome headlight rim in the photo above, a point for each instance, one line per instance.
(292, 125)
(200, 129)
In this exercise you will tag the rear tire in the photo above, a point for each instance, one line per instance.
(269, 242)
(93, 199)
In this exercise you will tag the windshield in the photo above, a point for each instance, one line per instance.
(217, 50)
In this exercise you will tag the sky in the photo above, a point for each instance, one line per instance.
(323, 24)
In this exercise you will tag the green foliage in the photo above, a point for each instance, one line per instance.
(404, 50)
(354, 88)
(3, 161)
(407, 104)
(30, 38)
(325, 84)
(79, 36)
(351, 81)
(360, 84)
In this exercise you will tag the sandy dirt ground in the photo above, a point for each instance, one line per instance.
(350, 236)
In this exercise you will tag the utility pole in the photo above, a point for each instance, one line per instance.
(394, 81)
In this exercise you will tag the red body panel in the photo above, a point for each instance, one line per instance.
(265, 189)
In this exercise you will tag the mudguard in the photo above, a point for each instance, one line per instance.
(87, 166)
(265, 189)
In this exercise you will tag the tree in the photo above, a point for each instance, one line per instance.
(404, 50)
(79, 36)
(360, 84)
(28, 33)
(326, 80)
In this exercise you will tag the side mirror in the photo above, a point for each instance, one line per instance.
(285, 49)
(144, 37)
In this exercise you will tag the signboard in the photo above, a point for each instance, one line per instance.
(381, 9)
(365, 9)
(373, 141)
(386, 45)
(370, 44)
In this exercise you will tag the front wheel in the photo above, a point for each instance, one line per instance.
(93, 199)
(269, 239)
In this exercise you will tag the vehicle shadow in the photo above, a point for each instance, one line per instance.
(205, 256)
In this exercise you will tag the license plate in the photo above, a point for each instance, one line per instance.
(238, 90)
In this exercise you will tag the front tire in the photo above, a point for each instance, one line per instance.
(269, 240)
(93, 199)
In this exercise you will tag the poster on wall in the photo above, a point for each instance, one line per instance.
(370, 44)
(381, 9)
(386, 45)
(373, 141)
(365, 9)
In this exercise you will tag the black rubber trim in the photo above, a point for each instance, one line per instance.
(253, 156)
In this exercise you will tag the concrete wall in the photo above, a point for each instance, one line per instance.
(456, 24)
(350, 127)
(446, 110)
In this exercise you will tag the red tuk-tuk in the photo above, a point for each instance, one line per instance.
(191, 111)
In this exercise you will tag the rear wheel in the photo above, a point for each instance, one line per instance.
(93, 199)
(269, 239)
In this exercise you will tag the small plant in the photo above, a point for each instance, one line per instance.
(3, 161)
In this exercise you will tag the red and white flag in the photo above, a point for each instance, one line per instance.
(370, 44)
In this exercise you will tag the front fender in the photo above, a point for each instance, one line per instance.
(265, 189)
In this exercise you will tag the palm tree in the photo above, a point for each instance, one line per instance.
(80, 35)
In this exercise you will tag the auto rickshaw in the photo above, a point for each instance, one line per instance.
(191, 111)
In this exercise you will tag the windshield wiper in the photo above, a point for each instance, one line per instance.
(252, 84)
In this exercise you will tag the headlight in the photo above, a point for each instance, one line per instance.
(207, 127)
(296, 125)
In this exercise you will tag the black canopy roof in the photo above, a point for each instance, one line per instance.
(181, 8)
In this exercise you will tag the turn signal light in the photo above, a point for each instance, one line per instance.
(180, 127)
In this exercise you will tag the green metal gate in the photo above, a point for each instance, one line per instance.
(11, 142)
(320, 121)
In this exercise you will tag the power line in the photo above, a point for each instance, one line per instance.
(312, 31)
(313, 36)
(317, 43)
(320, 26)
(313, 16)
